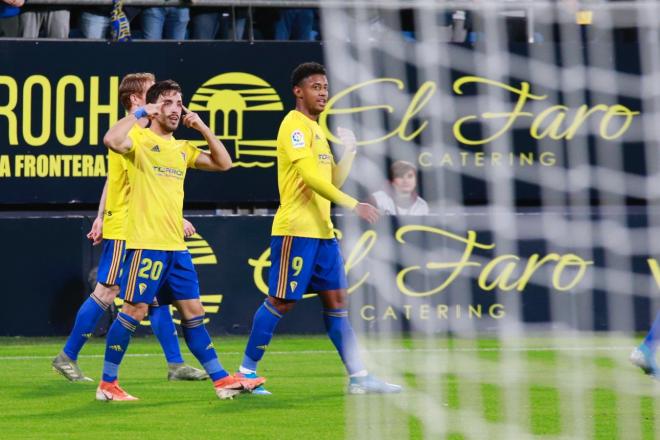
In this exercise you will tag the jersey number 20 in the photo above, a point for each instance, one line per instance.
(150, 269)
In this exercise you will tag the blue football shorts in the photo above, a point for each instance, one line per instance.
(112, 259)
(302, 265)
(164, 276)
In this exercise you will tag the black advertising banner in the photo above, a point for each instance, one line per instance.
(425, 274)
(44, 272)
(57, 99)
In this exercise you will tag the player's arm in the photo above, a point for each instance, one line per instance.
(341, 170)
(117, 138)
(295, 141)
(217, 158)
(96, 233)
(306, 168)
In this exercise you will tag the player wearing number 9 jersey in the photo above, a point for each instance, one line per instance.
(305, 255)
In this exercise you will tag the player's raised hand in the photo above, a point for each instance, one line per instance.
(96, 233)
(367, 212)
(153, 109)
(347, 138)
(188, 229)
(192, 120)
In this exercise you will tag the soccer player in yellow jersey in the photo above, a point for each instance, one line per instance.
(305, 255)
(157, 256)
(109, 228)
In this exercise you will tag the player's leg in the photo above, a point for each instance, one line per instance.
(290, 271)
(163, 327)
(643, 356)
(87, 317)
(329, 280)
(91, 310)
(265, 321)
(340, 331)
(184, 289)
(143, 271)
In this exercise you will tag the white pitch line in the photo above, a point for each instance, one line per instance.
(394, 350)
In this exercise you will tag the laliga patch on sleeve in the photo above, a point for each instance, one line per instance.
(297, 139)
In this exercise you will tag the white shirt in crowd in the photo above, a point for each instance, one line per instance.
(386, 204)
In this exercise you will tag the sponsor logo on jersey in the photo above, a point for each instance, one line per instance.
(168, 172)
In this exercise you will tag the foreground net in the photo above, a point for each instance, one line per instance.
(509, 312)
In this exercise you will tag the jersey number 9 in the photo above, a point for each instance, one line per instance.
(297, 265)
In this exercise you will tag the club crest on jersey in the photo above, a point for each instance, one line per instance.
(142, 288)
(297, 139)
(183, 155)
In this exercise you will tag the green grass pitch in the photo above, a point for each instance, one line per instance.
(537, 387)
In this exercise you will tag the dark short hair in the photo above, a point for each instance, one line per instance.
(160, 88)
(304, 71)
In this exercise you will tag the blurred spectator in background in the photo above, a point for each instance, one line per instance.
(104, 22)
(218, 23)
(43, 21)
(95, 22)
(165, 23)
(400, 197)
(9, 10)
(294, 24)
(457, 25)
(212, 23)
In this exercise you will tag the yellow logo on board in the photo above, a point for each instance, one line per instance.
(228, 99)
(200, 250)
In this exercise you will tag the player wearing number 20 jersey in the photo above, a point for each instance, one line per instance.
(157, 256)
(109, 229)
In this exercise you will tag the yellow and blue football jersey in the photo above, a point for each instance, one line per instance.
(116, 201)
(156, 172)
(302, 212)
